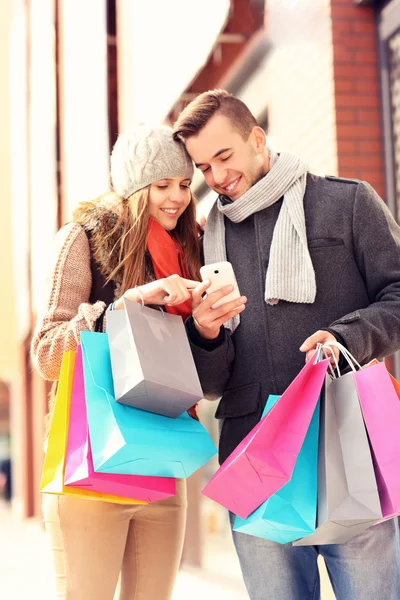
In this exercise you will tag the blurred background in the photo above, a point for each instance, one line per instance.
(321, 76)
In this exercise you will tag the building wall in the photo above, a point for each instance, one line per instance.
(357, 93)
(297, 82)
(8, 345)
(83, 102)
(160, 51)
(43, 192)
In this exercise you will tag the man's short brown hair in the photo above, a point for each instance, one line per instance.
(198, 113)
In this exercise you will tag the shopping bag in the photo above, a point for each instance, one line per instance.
(52, 480)
(131, 441)
(290, 513)
(381, 410)
(348, 499)
(378, 396)
(264, 461)
(151, 360)
(396, 384)
(388, 513)
(79, 470)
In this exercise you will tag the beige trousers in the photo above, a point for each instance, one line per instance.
(94, 543)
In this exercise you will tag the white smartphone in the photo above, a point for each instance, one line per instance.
(220, 274)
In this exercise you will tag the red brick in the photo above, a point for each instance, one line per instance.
(358, 131)
(376, 170)
(364, 162)
(342, 28)
(347, 147)
(366, 58)
(345, 116)
(376, 179)
(343, 56)
(364, 27)
(354, 71)
(351, 12)
(370, 147)
(367, 85)
(354, 41)
(372, 117)
(347, 173)
(344, 85)
(356, 101)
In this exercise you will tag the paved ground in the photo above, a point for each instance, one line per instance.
(25, 567)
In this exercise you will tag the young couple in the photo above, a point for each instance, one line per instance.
(318, 259)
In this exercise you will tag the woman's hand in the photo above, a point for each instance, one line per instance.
(208, 320)
(171, 291)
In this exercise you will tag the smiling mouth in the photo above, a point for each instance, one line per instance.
(170, 211)
(232, 186)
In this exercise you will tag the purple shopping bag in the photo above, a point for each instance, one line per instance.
(79, 470)
(264, 461)
(381, 411)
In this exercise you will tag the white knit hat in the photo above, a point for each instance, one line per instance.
(146, 154)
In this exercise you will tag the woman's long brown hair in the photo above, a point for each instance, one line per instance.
(133, 224)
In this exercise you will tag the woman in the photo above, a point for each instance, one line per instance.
(141, 243)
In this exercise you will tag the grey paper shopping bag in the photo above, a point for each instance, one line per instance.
(348, 500)
(152, 364)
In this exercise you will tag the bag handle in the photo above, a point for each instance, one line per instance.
(142, 304)
(351, 361)
(322, 350)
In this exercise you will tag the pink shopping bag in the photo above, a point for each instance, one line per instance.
(381, 410)
(79, 470)
(264, 461)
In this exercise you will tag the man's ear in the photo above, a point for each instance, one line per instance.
(260, 139)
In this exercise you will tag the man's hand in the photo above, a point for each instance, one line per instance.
(208, 320)
(320, 337)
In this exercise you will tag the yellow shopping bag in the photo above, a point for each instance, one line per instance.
(52, 481)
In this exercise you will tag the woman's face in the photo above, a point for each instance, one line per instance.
(168, 200)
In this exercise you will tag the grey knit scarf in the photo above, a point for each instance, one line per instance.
(290, 275)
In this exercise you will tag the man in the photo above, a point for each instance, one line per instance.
(318, 259)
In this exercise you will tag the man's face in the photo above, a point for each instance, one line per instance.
(230, 164)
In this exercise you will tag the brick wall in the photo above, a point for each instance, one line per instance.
(357, 93)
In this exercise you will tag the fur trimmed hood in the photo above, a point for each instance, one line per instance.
(99, 217)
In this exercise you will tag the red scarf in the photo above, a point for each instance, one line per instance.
(168, 259)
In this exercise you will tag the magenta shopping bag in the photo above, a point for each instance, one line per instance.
(264, 461)
(79, 470)
(381, 411)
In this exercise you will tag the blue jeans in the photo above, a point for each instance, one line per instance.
(366, 568)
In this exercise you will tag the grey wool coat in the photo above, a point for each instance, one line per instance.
(354, 244)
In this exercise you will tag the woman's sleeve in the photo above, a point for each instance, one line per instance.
(67, 311)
